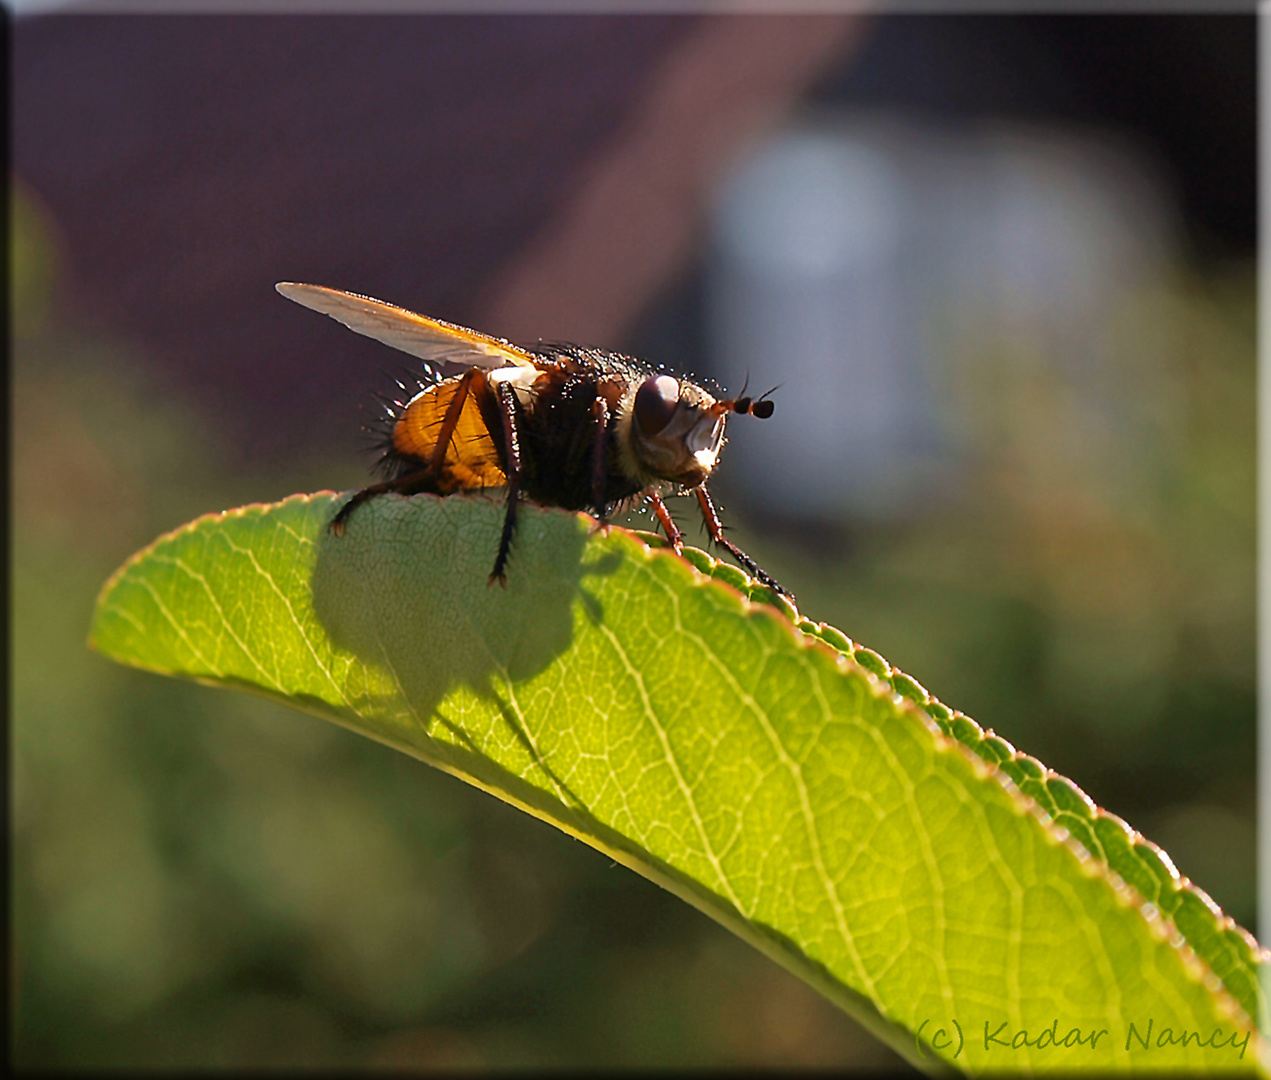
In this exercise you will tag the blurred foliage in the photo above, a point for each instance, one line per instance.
(208, 879)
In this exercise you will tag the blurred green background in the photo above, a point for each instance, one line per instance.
(201, 878)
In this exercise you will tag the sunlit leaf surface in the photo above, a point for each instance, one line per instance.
(955, 896)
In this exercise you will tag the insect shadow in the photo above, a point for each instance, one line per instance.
(404, 598)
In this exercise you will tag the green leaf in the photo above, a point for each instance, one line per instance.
(954, 895)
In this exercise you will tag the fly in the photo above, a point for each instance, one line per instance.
(564, 425)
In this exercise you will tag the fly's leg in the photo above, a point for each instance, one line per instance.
(416, 481)
(403, 485)
(672, 530)
(506, 398)
(451, 420)
(716, 531)
(599, 460)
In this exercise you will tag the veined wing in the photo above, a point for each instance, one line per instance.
(429, 339)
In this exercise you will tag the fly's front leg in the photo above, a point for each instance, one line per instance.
(716, 531)
(506, 398)
(672, 530)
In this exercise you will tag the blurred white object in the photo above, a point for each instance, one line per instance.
(870, 268)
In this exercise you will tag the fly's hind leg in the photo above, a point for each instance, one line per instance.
(409, 484)
(716, 531)
(420, 479)
(506, 398)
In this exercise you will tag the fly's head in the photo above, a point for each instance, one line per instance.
(676, 429)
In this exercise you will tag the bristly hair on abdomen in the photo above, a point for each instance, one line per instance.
(377, 432)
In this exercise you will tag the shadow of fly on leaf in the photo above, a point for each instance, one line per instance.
(564, 425)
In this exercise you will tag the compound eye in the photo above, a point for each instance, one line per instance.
(656, 402)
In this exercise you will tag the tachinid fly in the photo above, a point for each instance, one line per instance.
(564, 425)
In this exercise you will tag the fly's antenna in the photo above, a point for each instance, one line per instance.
(761, 408)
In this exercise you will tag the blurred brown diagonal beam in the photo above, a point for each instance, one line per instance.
(631, 225)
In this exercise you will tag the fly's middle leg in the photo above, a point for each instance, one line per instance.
(506, 398)
(599, 459)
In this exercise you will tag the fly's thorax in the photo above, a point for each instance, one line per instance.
(669, 430)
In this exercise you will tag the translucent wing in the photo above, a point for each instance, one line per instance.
(429, 339)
